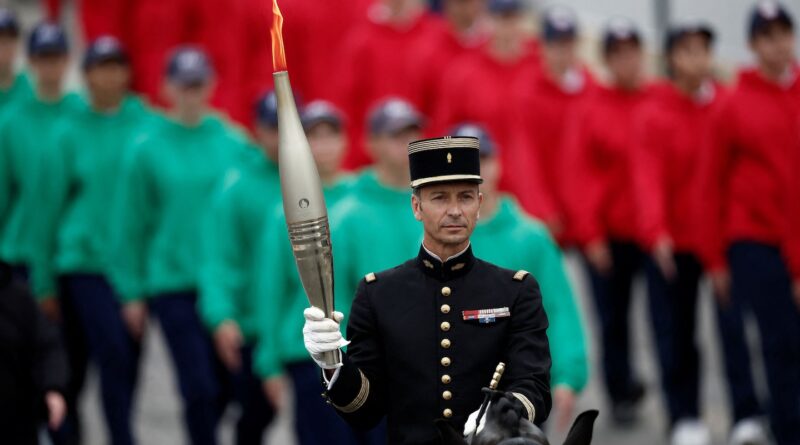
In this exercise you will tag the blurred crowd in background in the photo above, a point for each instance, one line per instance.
(153, 194)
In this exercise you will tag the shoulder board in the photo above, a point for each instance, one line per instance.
(520, 275)
(370, 277)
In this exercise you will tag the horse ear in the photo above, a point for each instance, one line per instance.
(448, 434)
(581, 431)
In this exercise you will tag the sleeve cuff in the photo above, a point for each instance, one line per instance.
(527, 404)
(348, 389)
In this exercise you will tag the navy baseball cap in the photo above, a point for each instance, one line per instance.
(392, 116)
(559, 23)
(765, 13)
(47, 38)
(506, 6)
(677, 32)
(267, 110)
(487, 147)
(620, 30)
(319, 112)
(9, 25)
(189, 65)
(104, 49)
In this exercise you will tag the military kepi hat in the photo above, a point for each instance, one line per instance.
(445, 159)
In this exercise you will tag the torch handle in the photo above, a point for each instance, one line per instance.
(332, 358)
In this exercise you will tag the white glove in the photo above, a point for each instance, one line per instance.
(322, 335)
(469, 427)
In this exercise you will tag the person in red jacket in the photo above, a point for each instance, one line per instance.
(467, 33)
(747, 183)
(669, 132)
(314, 33)
(378, 59)
(479, 87)
(544, 103)
(600, 204)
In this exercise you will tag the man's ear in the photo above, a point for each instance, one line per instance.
(416, 207)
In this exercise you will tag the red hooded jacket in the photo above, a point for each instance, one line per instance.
(378, 59)
(544, 107)
(479, 89)
(598, 161)
(747, 172)
(670, 132)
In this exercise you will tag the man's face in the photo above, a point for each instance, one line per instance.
(508, 27)
(449, 211)
(267, 138)
(328, 145)
(464, 12)
(189, 96)
(392, 149)
(691, 57)
(774, 46)
(8, 52)
(108, 79)
(625, 62)
(561, 54)
(49, 69)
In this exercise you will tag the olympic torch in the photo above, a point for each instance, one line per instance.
(301, 187)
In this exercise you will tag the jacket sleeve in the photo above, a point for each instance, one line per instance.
(223, 272)
(714, 171)
(648, 176)
(566, 331)
(359, 392)
(56, 169)
(274, 262)
(132, 222)
(583, 188)
(527, 374)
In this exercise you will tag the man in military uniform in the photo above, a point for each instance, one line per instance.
(427, 335)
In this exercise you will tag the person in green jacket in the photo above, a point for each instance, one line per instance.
(280, 351)
(506, 236)
(167, 185)
(27, 127)
(375, 217)
(13, 85)
(82, 165)
(228, 302)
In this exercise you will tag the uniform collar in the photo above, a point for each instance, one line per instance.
(453, 267)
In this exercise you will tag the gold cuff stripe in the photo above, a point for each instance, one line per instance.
(360, 399)
(527, 404)
(445, 143)
(423, 181)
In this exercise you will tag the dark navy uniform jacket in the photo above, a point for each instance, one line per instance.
(419, 352)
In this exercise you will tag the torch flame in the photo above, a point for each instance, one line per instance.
(278, 53)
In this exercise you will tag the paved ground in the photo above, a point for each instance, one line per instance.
(158, 412)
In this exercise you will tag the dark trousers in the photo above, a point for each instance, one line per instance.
(673, 310)
(78, 358)
(316, 422)
(193, 358)
(736, 352)
(113, 350)
(257, 412)
(612, 294)
(760, 279)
